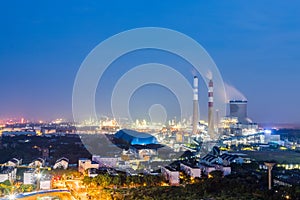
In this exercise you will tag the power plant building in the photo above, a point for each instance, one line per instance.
(238, 109)
(135, 138)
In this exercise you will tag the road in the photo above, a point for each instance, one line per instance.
(30, 194)
(78, 191)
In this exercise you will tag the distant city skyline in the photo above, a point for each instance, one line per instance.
(255, 46)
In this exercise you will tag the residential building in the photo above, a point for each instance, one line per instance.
(61, 163)
(192, 171)
(7, 173)
(105, 161)
(171, 175)
(45, 182)
(84, 164)
(29, 177)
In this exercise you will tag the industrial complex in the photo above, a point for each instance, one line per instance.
(176, 150)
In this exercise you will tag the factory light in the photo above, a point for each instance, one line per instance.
(267, 131)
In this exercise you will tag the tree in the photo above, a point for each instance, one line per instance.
(6, 183)
(217, 174)
(26, 188)
(87, 180)
(103, 180)
(128, 181)
(116, 181)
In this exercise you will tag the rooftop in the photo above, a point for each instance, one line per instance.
(238, 101)
(135, 138)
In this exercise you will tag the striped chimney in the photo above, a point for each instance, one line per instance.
(211, 125)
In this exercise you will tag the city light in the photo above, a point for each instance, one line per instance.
(146, 113)
(267, 131)
(12, 197)
(39, 175)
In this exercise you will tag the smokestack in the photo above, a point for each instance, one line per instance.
(211, 126)
(195, 105)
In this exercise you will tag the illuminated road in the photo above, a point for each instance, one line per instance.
(78, 191)
(29, 194)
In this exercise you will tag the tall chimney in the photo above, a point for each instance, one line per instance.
(211, 122)
(195, 105)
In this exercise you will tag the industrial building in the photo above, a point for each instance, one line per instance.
(237, 122)
(141, 145)
(132, 137)
(238, 108)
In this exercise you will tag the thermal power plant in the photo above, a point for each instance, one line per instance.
(211, 127)
(195, 105)
(238, 108)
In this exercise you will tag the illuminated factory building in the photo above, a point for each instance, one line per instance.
(135, 138)
(142, 145)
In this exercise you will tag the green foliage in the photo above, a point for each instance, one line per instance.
(26, 188)
(6, 183)
(107, 181)
(217, 174)
(87, 180)
(103, 180)
(246, 187)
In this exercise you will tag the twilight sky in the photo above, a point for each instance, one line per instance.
(256, 47)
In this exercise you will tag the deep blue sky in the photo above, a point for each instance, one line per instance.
(255, 44)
